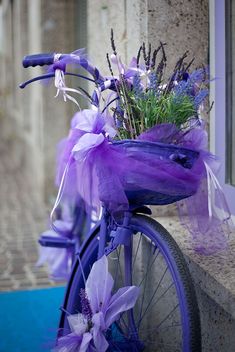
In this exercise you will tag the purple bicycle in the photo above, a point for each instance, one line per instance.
(140, 252)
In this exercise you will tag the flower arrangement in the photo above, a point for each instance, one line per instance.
(145, 138)
(145, 142)
(146, 97)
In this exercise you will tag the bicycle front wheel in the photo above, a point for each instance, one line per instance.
(165, 317)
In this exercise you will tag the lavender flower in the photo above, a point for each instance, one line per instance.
(137, 87)
(119, 116)
(199, 98)
(190, 85)
(181, 89)
(153, 82)
(197, 76)
(85, 304)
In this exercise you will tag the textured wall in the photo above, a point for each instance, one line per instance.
(182, 24)
(217, 326)
(102, 16)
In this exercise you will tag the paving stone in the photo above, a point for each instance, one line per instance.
(22, 218)
(24, 285)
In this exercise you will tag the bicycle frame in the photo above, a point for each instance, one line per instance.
(120, 234)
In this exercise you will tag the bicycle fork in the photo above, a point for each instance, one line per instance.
(122, 235)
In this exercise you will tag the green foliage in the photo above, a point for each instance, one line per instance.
(149, 110)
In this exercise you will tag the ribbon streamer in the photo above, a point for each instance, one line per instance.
(60, 194)
(61, 87)
(214, 186)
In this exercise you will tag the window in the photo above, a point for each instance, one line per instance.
(222, 65)
(230, 90)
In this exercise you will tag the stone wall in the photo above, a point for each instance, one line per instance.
(182, 24)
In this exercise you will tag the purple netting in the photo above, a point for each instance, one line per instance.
(151, 169)
(131, 166)
(209, 231)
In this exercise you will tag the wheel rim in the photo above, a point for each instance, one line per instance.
(125, 340)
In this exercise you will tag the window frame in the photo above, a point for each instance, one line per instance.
(218, 123)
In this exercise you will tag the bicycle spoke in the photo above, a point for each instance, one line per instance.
(157, 329)
(157, 344)
(119, 265)
(145, 283)
(177, 305)
(149, 267)
(159, 298)
(137, 249)
(153, 255)
(159, 283)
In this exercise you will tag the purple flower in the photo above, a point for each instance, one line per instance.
(197, 76)
(200, 97)
(181, 88)
(191, 86)
(105, 307)
(137, 86)
(130, 71)
(153, 82)
(85, 304)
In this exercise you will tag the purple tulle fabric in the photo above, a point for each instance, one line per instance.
(106, 172)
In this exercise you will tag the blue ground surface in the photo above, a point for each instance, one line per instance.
(29, 319)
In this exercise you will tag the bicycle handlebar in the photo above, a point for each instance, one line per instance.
(48, 59)
(38, 60)
(109, 84)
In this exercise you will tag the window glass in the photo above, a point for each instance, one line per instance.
(230, 91)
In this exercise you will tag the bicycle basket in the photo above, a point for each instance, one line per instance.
(172, 163)
(139, 172)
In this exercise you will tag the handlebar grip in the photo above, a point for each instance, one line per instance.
(38, 60)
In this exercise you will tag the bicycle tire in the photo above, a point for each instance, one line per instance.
(154, 233)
